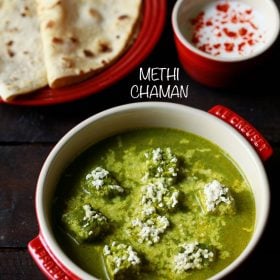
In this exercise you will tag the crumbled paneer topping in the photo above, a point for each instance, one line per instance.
(97, 176)
(161, 164)
(159, 195)
(150, 228)
(157, 155)
(148, 210)
(100, 177)
(192, 256)
(116, 188)
(91, 214)
(215, 193)
(120, 256)
(174, 199)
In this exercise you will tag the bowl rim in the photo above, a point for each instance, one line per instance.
(192, 48)
(45, 232)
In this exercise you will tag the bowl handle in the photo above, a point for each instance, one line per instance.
(255, 138)
(46, 263)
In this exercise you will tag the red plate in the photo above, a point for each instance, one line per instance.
(154, 13)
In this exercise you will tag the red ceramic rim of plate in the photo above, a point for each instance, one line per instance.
(154, 12)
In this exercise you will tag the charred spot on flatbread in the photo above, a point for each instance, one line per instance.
(68, 62)
(9, 43)
(50, 24)
(88, 53)
(104, 47)
(57, 40)
(95, 14)
(123, 17)
(10, 53)
(74, 40)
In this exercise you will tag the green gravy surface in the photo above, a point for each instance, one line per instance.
(200, 162)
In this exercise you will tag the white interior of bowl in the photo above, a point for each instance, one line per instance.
(149, 114)
(185, 10)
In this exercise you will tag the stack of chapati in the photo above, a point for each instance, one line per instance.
(60, 42)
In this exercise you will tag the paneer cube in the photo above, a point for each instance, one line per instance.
(121, 260)
(192, 256)
(161, 164)
(160, 196)
(149, 228)
(84, 223)
(216, 198)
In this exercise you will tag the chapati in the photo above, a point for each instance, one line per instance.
(82, 37)
(22, 67)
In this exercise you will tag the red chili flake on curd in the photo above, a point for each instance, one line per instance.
(228, 28)
(242, 31)
(229, 33)
(223, 7)
(229, 47)
(241, 46)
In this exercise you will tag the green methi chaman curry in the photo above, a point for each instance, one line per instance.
(153, 203)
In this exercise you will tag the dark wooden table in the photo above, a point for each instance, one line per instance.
(27, 134)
